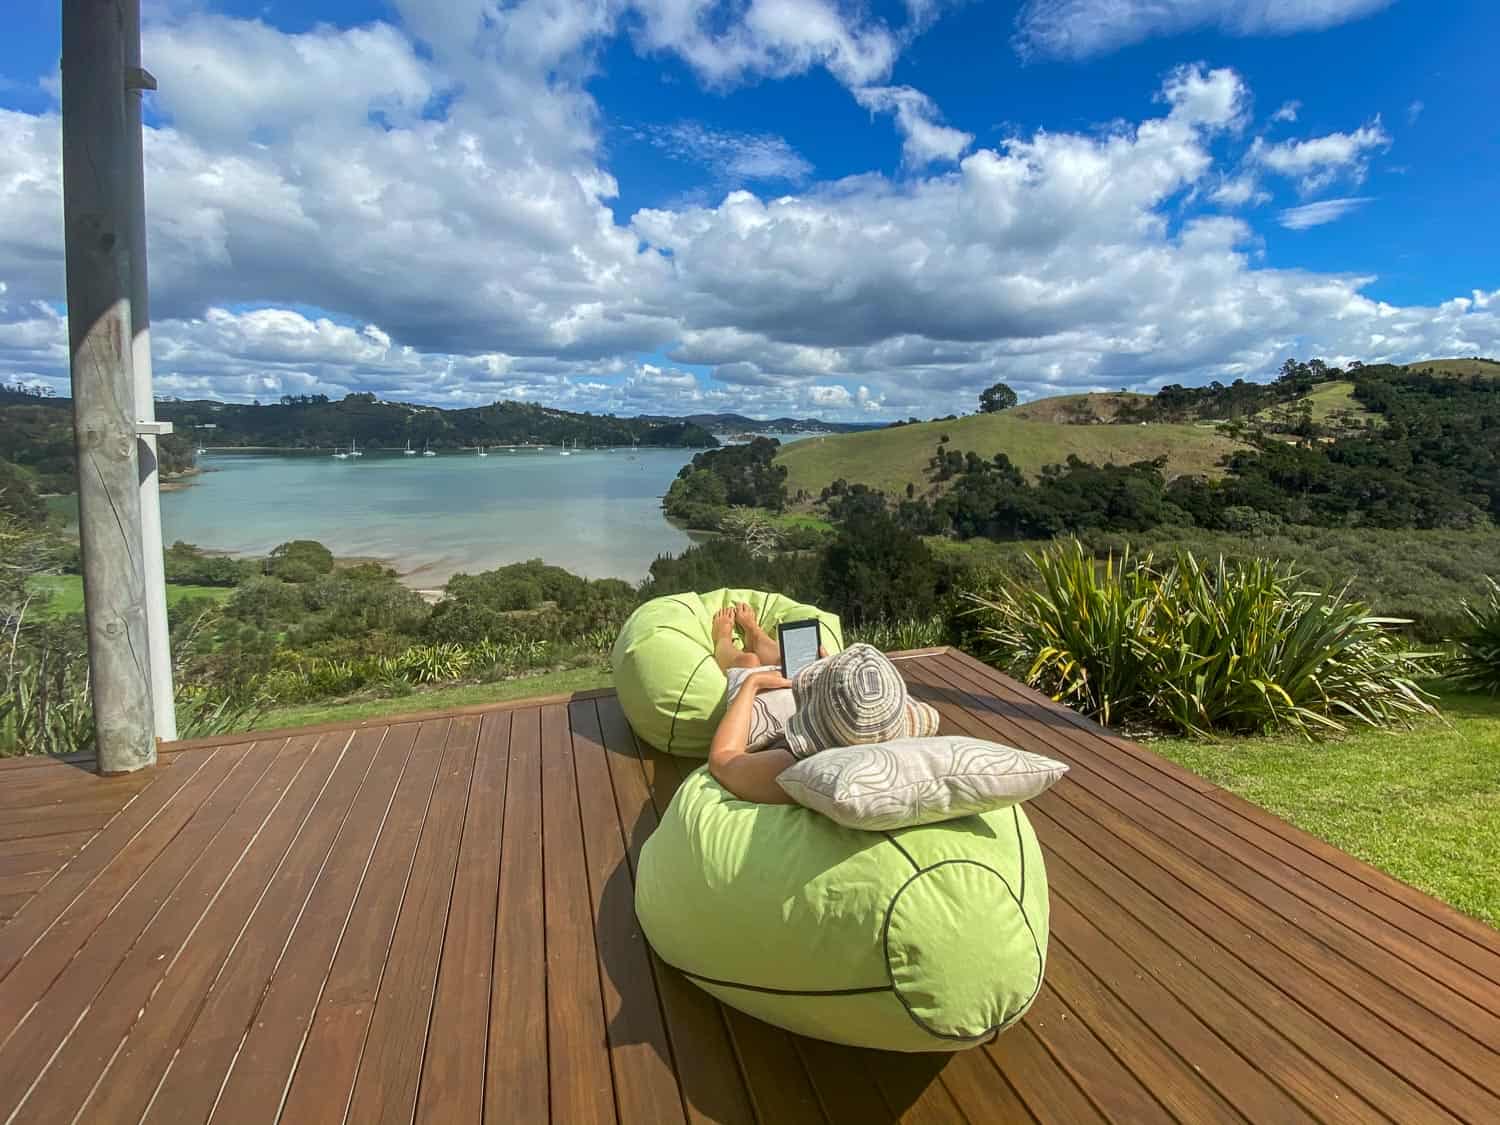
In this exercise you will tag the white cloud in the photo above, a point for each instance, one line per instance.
(1319, 214)
(1288, 111)
(1414, 111)
(1079, 29)
(925, 139)
(730, 43)
(1317, 162)
(1237, 191)
(451, 209)
(1216, 99)
(732, 158)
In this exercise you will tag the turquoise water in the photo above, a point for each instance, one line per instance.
(597, 514)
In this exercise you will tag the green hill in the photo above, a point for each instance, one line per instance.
(1077, 409)
(1472, 366)
(1326, 400)
(889, 459)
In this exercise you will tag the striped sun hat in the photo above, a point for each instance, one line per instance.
(853, 698)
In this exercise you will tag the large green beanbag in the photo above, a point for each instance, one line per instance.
(930, 938)
(670, 687)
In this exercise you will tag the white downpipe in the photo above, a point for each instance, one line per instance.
(163, 698)
(159, 637)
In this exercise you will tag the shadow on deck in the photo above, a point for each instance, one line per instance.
(431, 919)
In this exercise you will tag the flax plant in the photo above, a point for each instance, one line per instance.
(1228, 648)
(1477, 661)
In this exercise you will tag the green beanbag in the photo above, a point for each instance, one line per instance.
(930, 938)
(670, 687)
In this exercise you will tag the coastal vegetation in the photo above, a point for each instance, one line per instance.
(317, 422)
(1376, 518)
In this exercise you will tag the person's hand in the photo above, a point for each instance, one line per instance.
(767, 681)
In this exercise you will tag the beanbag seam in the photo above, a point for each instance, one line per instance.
(1020, 905)
(859, 991)
(672, 736)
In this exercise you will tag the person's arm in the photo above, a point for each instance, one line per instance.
(750, 777)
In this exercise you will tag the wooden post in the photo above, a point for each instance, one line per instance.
(148, 429)
(95, 200)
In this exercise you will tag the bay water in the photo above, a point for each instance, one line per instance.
(593, 512)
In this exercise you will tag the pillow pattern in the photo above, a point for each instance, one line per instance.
(911, 781)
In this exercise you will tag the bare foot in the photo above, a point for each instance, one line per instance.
(745, 618)
(723, 626)
(757, 640)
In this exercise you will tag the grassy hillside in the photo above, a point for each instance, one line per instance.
(1489, 367)
(889, 459)
(1327, 400)
(1076, 409)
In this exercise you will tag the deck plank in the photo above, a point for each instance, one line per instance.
(52, 1001)
(214, 982)
(639, 1055)
(516, 1075)
(188, 937)
(324, 1079)
(194, 1077)
(583, 1089)
(452, 1087)
(433, 919)
(390, 1067)
(263, 1065)
(123, 850)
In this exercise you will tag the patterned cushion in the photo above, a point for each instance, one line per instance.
(913, 781)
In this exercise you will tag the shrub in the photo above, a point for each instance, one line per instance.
(722, 562)
(188, 565)
(299, 560)
(1477, 661)
(877, 569)
(902, 633)
(18, 496)
(1232, 648)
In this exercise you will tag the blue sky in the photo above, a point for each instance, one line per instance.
(781, 206)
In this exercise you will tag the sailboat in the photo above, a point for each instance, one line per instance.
(482, 453)
(338, 455)
(409, 451)
(565, 452)
(354, 449)
(427, 450)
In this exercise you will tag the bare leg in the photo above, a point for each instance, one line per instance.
(757, 640)
(725, 651)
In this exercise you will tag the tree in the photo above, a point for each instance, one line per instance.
(877, 570)
(997, 398)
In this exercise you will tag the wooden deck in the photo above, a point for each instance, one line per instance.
(432, 921)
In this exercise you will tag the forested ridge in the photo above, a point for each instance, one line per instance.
(317, 422)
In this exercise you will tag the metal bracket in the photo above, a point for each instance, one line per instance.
(152, 429)
(139, 78)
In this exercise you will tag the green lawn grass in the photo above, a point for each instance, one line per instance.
(891, 458)
(438, 699)
(1423, 805)
(66, 592)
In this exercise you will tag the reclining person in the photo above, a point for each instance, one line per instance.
(852, 698)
